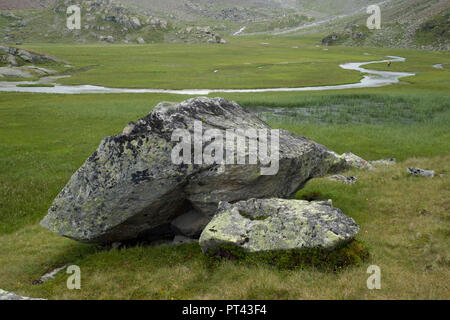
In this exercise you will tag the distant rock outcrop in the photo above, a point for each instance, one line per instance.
(19, 63)
(15, 56)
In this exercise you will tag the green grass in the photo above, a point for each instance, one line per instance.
(241, 64)
(44, 138)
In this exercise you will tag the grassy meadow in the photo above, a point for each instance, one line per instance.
(405, 222)
(249, 63)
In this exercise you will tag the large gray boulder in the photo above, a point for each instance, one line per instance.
(259, 225)
(130, 187)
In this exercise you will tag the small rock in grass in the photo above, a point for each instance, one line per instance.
(385, 162)
(420, 172)
(344, 179)
(5, 295)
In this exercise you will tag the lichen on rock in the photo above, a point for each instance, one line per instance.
(259, 225)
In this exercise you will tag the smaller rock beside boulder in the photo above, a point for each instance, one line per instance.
(420, 172)
(353, 161)
(260, 225)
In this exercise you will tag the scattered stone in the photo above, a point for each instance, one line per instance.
(344, 179)
(259, 225)
(384, 162)
(40, 71)
(130, 188)
(330, 39)
(5, 295)
(9, 59)
(25, 55)
(140, 40)
(420, 172)
(109, 39)
(49, 276)
(135, 23)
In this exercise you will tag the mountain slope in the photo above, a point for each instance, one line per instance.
(404, 23)
(101, 20)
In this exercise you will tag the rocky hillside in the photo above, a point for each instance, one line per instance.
(160, 20)
(102, 21)
(422, 24)
(405, 23)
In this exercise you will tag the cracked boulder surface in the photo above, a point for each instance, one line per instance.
(260, 225)
(129, 188)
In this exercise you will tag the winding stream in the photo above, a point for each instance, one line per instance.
(372, 78)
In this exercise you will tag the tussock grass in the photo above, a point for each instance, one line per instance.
(410, 247)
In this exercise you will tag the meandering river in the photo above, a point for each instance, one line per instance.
(372, 78)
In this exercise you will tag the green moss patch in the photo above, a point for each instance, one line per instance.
(352, 253)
